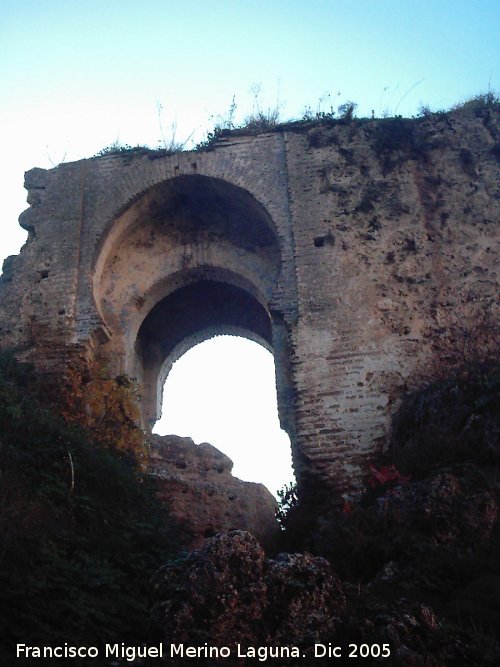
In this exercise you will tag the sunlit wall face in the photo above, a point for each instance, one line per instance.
(223, 391)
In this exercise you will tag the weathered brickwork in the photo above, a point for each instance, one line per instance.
(344, 248)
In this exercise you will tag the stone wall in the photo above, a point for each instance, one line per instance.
(347, 248)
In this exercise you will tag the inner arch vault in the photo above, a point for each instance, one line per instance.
(190, 258)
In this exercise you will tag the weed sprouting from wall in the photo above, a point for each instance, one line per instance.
(287, 504)
(261, 118)
(479, 103)
(346, 111)
(223, 124)
(129, 153)
(169, 142)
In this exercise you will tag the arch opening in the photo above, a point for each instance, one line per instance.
(188, 316)
(223, 391)
(185, 260)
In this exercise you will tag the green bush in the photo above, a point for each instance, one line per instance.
(287, 503)
(480, 103)
(81, 530)
(449, 421)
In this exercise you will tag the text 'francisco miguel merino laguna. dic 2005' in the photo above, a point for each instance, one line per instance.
(260, 653)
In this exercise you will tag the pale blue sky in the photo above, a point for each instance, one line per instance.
(78, 75)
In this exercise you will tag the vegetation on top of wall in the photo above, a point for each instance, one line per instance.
(261, 119)
(269, 120)
(478, 104)
(397, 133)
(129, 152)
(393, 133)
(81, 529)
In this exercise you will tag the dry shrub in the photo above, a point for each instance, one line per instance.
(454, 414)
(106, 407)
(466, 338)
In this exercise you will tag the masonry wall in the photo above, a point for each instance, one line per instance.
(396, 228)
(387, 229)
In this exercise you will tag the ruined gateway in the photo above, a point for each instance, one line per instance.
(345, 248)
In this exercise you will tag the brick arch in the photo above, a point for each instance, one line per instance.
(186, 215)
(190, 241)
(195, 312)
(126, 209)
(143, 176)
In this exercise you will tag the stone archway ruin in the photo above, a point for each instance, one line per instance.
(344, 246)
(213, 262)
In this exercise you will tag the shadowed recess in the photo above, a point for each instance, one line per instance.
(190, 315)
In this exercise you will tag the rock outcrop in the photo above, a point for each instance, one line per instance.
(228, 593)
(204, 497)
(294, 608)
(443, 510)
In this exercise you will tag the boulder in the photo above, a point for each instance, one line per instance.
(445, 508)
(204, 497)
(228, 593)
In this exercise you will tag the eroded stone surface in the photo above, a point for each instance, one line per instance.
(293, 608)
(202, 494)
(228, 593)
